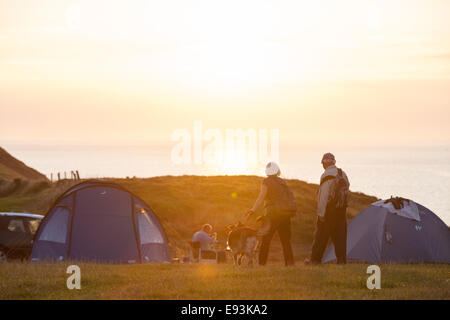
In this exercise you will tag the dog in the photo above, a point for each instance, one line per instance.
(244, 241)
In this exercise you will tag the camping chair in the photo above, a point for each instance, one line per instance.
(202, 256)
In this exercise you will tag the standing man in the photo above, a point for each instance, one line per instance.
(331, 212)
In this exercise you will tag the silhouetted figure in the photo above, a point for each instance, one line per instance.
(331, 212)
(280, 207)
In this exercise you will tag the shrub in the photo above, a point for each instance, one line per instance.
(38, 186)
(9, 187)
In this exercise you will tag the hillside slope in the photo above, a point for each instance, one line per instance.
(12, 168)
(184, 203)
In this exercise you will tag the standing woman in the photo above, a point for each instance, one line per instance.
(280, 207)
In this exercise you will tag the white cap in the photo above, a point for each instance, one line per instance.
(272, 169)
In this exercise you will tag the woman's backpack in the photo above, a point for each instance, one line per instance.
(279, 196)
(287, 200)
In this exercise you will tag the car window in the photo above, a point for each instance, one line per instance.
(33, 225)
(16, 225)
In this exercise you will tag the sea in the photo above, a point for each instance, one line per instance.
(418, 173)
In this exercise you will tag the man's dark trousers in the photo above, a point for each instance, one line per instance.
(282, 224)
(334, 226)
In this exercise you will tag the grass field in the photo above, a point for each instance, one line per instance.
(207, 281)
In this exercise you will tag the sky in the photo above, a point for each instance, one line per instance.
(356, 73)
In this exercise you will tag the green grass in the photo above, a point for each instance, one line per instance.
(207, 281)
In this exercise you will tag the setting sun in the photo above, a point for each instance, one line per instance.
(232, 166)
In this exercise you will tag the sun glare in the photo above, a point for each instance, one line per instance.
(234, 167)
(237, 162)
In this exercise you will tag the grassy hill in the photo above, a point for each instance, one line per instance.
(184, 203)
(12, 168)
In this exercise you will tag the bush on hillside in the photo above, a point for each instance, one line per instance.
(37, 186)
(8, 188)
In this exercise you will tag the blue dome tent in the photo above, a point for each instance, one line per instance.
(396, 231)
(103, 222)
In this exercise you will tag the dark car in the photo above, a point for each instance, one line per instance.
(16, 234)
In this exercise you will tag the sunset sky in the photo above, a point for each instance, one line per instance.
(130, 72)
